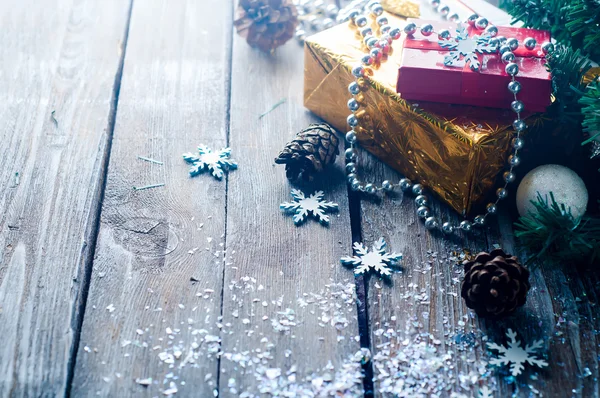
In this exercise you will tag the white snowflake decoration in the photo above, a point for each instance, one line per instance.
(377, 259)
(216, 162)
(302, 206)
(515, 355)
(485, 392)
(467, 47)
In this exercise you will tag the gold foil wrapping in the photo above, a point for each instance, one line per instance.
(456, 151)
(403, 8)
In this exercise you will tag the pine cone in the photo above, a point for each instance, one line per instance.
(310, 151)
(266, 24)
(495, 284)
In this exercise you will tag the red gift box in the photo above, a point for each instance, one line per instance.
(424, 77)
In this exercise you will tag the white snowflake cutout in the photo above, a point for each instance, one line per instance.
(377, 259)
(302, 206)
(216, 162)
(515, 355)
(485, 392)
(467, 47)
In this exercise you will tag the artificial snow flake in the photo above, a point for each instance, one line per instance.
(302, 206)
(467, 47)
(216, 162)
(515, 355)
(485, 392)
(377, 259)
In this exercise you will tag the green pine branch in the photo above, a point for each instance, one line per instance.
(554, 234)
(568, 67)
(584, 21)
(590, 107)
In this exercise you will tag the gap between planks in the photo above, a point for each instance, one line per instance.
(227, 124)
(80, 304)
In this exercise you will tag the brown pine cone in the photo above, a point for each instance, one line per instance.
(266, 24)
(310, 151)
(495, 284)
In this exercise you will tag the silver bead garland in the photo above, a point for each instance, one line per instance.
(315, 16)
(382, 45)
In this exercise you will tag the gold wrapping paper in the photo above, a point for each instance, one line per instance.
(402, 8)
(456, 151)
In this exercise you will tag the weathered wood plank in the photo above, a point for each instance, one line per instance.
(160, 253)
(562, 310)
(559, 309)
(422, 303)
(58, 62)
(291, 263)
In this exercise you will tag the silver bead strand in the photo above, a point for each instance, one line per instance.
(315, 16)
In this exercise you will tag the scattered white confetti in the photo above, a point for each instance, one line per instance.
(144, 382)
(111, 308)
(273, 373)
(171, 390)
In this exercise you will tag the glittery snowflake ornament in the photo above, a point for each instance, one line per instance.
(515, 355)
(377, 259)
(467, 47)
(303, 206)
(485, 392)
(216, 162)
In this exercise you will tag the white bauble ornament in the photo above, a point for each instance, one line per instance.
(564, 183)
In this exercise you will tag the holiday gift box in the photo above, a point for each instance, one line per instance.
(430, 72)
(455, 150)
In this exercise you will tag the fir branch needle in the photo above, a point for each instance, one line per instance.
(150, 160)
(280, 102)
(54, 117)
(148, 187)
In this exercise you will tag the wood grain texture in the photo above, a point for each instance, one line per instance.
(56, 57)
(562, 309)
(424, 299)
(158, 248)
(290, 262)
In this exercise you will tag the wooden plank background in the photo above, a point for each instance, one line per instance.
(59, 62)
(201, 287)
(157, 248)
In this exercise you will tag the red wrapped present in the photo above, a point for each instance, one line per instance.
(423, 75)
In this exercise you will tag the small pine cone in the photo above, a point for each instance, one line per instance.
(310, 151)
(266, 24)
(495, 284)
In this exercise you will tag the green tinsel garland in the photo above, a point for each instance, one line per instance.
(553, 233)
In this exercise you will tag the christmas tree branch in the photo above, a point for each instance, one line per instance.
(553, 233)
(568, 68)
(590, 103)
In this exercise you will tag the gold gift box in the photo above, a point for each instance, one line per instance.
(456, 151)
